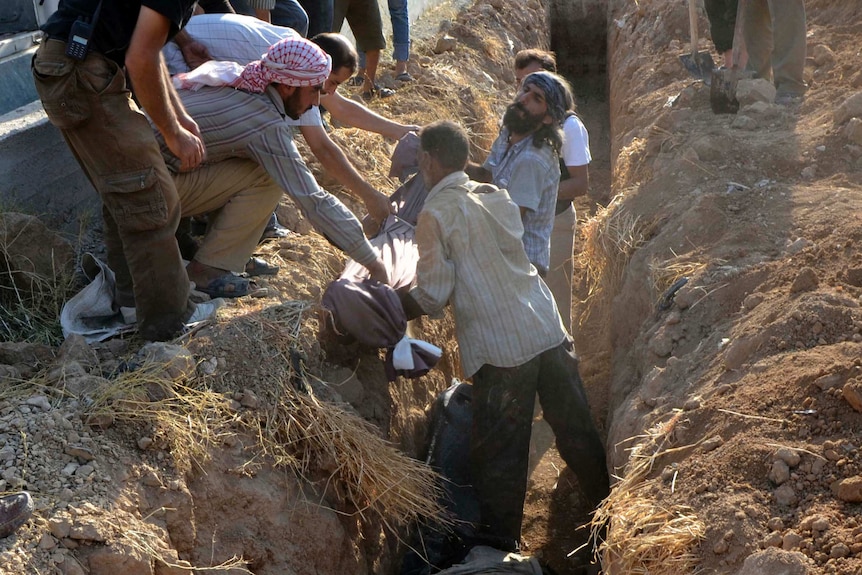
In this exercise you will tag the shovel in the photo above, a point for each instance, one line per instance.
(722, 91)
(699, 64)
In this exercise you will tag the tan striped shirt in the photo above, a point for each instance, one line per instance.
(237, 124)
(471, 255)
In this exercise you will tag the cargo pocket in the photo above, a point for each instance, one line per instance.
(66, 105)
(136, 200)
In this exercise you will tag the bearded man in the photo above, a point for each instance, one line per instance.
(524, 159)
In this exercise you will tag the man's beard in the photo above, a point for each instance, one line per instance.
(519, 121)
(291, 106)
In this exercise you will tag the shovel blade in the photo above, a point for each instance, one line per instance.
(700, 65)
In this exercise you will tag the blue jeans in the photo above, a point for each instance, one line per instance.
(286, 13)
(319, 16)
(400, 32)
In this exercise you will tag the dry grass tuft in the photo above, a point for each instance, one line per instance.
(666, 273)
(610, 238)
(291, 430)
(30, 303)
(146, 544)
(644, 537)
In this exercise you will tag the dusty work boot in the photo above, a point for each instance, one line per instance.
(15, 510)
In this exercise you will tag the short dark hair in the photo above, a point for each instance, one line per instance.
(547, 60)
(339, 48)
(447, 143)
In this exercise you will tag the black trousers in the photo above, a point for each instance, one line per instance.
(722, 19)
(503, 400)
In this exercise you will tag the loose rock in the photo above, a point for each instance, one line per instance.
(806, 280)
(849, 490)
(850, 108)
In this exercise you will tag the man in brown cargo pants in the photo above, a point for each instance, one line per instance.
(86, 96)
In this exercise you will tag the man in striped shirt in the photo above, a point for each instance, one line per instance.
(510, 336)
(242, 39)
(252, 159)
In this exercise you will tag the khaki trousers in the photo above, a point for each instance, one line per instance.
(240, 197)
(559, 277)
(774, 33)
(114, 144)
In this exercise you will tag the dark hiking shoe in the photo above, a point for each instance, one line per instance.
(15, 510)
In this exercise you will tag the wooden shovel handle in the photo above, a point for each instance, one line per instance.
(692, 23)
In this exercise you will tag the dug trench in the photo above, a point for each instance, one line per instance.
(729, 406)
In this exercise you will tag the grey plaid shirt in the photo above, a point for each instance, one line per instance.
(531, 175)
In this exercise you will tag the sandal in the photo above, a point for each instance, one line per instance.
(404, 77)
(228, 285)
(259, 267)
(356, 80)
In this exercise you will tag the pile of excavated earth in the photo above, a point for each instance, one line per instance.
(719, 326)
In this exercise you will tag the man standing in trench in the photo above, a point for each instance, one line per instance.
(574, 181)
(80, 74)
(510, 335)
(524, 159)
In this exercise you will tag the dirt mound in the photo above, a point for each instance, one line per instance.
(226, 463)
(720, 332)
(739, 388)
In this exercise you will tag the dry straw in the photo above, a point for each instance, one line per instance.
(30, 303)
(610, 238)
(291, 430)
(645, 537)
(666, 273)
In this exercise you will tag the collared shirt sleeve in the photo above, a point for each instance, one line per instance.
(435, 272)
(276, 152)
(526, 182)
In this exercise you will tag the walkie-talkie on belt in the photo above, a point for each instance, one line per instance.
(80, 36)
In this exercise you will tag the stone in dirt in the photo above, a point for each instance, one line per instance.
(176, 362)
(111, 562)
(852, 393)
(76, 348)
(853, 131)
(445, 44)
(14, 352)
(779, 473)
(822, 55)
(850, 108)
(849, 490)
(854, 276)
(805, 281)
(758, 90)
(775, 561)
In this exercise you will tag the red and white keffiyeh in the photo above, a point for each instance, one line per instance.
(293, 61)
